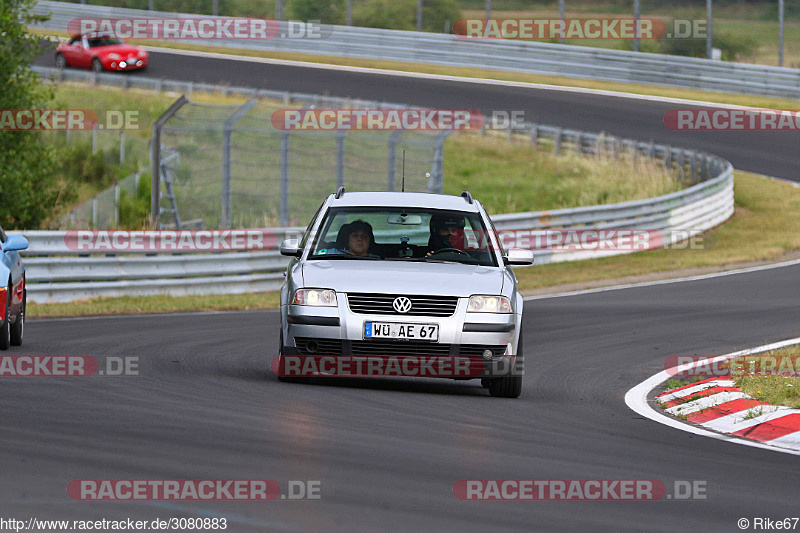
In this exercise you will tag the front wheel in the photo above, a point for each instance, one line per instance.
(18, 327)
(509, 386)
(61, 62)
(97, 66)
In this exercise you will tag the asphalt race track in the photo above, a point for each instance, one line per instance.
(388, 452)
(773, 153)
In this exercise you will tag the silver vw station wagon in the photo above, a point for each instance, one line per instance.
(406, 274)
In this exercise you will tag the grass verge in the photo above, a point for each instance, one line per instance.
(767, 384)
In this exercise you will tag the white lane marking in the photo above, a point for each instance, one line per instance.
(705, 402)
(697, 388)
(666, 281)
(736, 421)
(636, 399)
(443, 77)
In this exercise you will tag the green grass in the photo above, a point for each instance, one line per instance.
(772, 388)
(513, 177)
(155, 304)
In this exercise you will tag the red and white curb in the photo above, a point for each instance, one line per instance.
(716, 408)
(717, 404)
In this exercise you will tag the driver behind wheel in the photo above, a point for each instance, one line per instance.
(447, 231)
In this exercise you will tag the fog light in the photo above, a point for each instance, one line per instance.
(487, 354)
(312, 346)
(113, 64)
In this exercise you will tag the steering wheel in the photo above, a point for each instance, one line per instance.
(451, 250)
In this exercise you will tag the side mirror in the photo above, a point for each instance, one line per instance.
(291, 247)
(519, 257)
(15, 243)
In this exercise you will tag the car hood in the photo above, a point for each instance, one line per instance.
(397, 277)
(124, 50)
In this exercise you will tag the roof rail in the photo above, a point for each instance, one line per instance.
(467, 196)
(339, 192)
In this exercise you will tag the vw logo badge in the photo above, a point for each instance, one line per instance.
(402, 304)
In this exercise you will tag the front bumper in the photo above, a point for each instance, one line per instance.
(337, 331)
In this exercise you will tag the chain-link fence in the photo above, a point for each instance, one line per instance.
(103, 210)
(228, 166)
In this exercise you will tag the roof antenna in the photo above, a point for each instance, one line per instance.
(404, 171)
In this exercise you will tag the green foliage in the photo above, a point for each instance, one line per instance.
(732, 46)
(134, 211)
(29, 187)
(326, 11)
(402, 14)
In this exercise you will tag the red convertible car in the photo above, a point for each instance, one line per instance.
(100, 52)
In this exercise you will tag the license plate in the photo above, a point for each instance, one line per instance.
(397, 330)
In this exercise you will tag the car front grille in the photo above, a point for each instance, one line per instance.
(399, 348)
(381, 304)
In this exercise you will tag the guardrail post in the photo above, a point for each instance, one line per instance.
(693, 163)
(668, 157)
(557, 141)
(534, 135)
(284, 201)
(510, 132)
(436, 181)
(94, 139)
(121, 147)
(155, 161)
(94, 213)
(340, 159)
(68, 136)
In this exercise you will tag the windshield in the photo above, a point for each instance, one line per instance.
(404, 234)
(103, 41)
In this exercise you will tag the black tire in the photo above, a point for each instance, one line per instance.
(509, 386)
(5, 328)
(284, 379)
(61, 61)
(18, 327)
(97, 66)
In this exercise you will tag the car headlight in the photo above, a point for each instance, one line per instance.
(315, 297)
(488, 304)
(114, 56)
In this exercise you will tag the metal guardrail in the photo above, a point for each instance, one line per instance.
(57, 273)
(517, 56)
